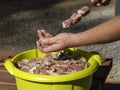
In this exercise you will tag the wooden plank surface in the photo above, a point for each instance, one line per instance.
(7, 87)
(6, 77)
(103, 70)
(101, 74)
(7, 81)
(6, 54)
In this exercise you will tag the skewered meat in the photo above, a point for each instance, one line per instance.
(76, 17)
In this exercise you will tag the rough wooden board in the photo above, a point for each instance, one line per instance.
(104, 70)
(111, 86)
(6, 77)
(8, 87)
(7, 81)
(113, 82)
(6, 54)
(96, 84)
(99, 77)
(2, 66)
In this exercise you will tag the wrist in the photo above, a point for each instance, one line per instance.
(72, 40)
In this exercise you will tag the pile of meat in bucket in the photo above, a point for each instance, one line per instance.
(54, 64)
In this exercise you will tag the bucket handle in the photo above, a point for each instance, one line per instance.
(9, 66)
(97, 57)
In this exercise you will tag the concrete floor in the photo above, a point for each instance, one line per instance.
(20, 20)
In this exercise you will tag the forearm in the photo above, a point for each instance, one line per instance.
(104, 33)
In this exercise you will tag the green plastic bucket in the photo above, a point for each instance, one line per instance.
(80, 80)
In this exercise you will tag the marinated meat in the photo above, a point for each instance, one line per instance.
(57, 64)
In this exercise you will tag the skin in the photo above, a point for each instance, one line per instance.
(100, 2)
(103, 33)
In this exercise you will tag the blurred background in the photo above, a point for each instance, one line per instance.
(20, 20)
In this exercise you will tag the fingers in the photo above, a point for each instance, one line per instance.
(96, 2)
(51, 48)
(41, 45)
(105, 2)
(48, 49)
(43, 34)
(44, 39)
(46, 46)
(100, 2)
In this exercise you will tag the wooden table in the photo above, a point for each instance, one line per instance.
(7, 81)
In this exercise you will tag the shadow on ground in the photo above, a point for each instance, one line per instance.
(12, 6)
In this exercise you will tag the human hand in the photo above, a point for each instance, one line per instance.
(100, 2)
(42, 34)
(56, 43)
